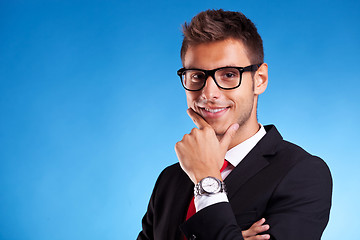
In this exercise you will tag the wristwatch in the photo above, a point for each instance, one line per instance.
(208, 186)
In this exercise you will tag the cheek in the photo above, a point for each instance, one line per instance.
(242, 100)
(245, 94)
(190, 98)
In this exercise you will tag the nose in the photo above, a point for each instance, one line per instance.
(210, 90)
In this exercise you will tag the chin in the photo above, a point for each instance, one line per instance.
(219, 131)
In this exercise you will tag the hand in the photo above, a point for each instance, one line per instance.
(256, 228)
(201, 153)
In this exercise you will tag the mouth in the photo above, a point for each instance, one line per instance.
(213, 112)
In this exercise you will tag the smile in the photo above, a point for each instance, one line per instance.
(214, 110)
(213, 113)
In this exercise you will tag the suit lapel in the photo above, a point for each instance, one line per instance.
(254, 162)
(248, 167)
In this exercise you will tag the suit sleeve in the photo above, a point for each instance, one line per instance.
(147, 232)
(300, 205)
(213, 222)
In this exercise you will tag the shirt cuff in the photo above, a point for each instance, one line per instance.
(203, 201)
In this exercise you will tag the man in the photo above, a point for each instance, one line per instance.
(264, 177)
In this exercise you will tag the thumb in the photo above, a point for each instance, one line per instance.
(197, 119)
(229, 134)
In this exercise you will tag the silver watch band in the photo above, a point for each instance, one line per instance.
(198, 189)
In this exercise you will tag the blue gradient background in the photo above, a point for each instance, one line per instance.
(91, 106)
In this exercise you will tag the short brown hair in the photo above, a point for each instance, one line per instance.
(216, 25)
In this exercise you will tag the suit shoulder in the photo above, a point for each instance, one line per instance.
(293, 149)
(296, 152)
(172, 175)
(172, 169)
(282, 152)
(301, 159)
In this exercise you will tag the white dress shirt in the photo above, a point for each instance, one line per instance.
(234, 156)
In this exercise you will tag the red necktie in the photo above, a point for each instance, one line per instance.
(191, 211)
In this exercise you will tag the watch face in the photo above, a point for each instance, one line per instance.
(210, 185)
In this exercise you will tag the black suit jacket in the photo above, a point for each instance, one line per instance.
(276, 180)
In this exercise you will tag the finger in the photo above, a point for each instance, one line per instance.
(256, 228)
(258, 237)
(197, 119)
(259, 223)
(229, 134)
(251, 231)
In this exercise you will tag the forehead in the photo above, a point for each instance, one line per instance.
(217, 54)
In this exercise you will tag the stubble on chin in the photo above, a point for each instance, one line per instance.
(219, 131)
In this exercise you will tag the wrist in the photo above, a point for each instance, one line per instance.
(200, 177)
(209, 186)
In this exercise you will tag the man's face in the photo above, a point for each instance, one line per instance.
(221, 108)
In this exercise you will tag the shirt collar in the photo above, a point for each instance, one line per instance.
(237, 153)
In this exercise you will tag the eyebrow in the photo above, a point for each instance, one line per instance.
(229, 66)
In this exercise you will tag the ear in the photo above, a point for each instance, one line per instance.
(261, 79)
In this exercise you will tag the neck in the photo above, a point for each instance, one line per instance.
(245, 132)
(248, 129)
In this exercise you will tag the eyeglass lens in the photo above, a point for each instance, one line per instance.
(225, 78)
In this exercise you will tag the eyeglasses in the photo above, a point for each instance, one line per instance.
(225, 77)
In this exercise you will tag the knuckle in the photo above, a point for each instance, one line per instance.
(194, 130)
(177, 146)
(186, 136)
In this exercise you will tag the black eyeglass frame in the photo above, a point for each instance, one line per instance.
(211, 73)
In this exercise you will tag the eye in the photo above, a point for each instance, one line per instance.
(229, 74)
(197, 76)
